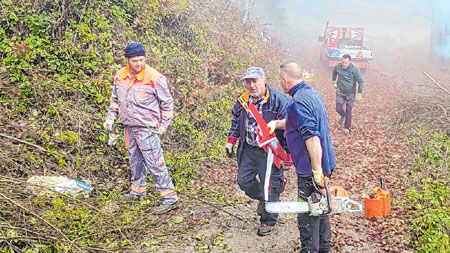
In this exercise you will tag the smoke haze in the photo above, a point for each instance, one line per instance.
(401, 20)
(405, 35)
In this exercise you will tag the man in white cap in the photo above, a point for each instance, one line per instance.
(252, 159)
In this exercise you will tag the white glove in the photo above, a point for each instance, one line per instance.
(229, 149)
(162, 130)
(272, 125)
(335, 84)
(358, 96)
(318, 177)
(108, 125)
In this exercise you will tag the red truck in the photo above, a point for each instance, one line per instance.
(338, 41)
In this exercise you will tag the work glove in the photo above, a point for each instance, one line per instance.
(358, 96)
(335, 84)
(108, 125)
(287, 165)
(113, 137)
(319, 177)
(272, 125)
(229, 148)
(162, 130)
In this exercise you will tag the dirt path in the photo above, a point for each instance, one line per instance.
(373, 149)
(363, 156)
(369, 152)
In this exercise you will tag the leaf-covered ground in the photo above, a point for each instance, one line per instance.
(57, 63)
(363, 156)
(376, 147)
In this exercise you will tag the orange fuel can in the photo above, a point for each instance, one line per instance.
(378, 204)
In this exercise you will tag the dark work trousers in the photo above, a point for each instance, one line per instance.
(349, 100)
(314, 230)
(253, 162)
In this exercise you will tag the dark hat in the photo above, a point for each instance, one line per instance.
(134, 49)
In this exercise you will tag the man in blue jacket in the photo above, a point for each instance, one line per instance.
(309, 141)
(252, 159)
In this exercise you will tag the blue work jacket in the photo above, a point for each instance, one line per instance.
(307, 117)
(273, 108)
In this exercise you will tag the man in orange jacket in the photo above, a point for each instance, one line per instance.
(142, 100)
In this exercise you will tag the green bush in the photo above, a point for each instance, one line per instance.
(58, 60)
(430, 199)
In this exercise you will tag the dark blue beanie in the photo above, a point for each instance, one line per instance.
(134, 49)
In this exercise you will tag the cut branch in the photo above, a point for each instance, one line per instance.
(30, 144)
(434, 81)
(40, 218)
(445, 112)
(24, 142)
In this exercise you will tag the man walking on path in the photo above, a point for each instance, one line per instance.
(252, 159)
(347, 75)
(309, 141)
(142, 100)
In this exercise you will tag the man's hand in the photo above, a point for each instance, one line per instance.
(319, 177)
(272, 125)
(335, 84)
(229, 148)
(108, 125)
(288, 164)
(162, 130)
(358, 96)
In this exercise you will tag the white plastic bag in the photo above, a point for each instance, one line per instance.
(73, 187)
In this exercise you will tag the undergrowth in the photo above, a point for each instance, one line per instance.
(429, 197)
(58, 59)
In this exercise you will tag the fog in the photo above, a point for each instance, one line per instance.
(388, 24)
(440, 29)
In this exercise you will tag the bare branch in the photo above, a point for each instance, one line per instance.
(434, 81)
(40, 218)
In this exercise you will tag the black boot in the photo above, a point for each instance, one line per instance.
(264, 230)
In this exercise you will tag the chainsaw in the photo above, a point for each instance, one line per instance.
(329, 200)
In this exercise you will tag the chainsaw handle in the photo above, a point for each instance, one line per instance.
(353, 206)
(327, 192)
